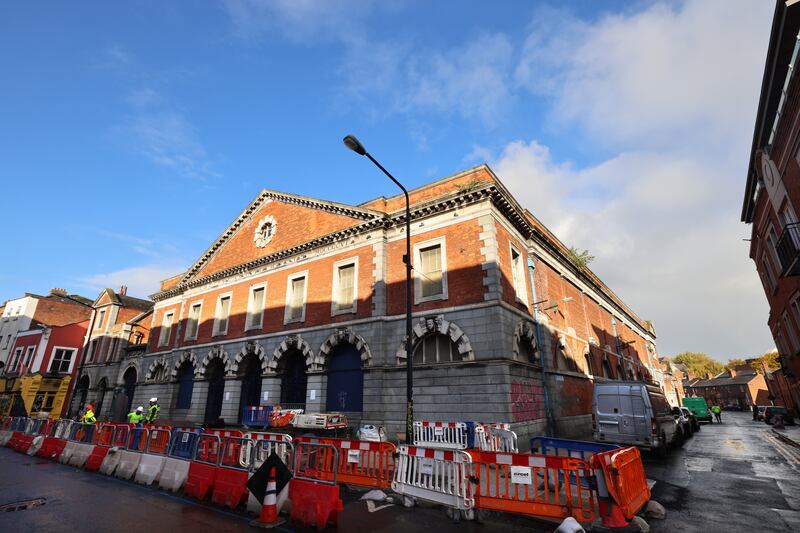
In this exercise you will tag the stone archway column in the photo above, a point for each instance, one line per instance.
(271, 386)
(230, 400)
(317, 382)
(197, 409)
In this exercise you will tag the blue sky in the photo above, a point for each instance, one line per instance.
(133, 133)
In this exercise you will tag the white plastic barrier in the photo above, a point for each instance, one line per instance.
(446, 435)
(128, 463)
(111, 461)
(263, 444)
(80, 453)
(66, 455)
(152, 462)
(174, 474)
(36, 445)
(438, 476)
(5, 436)
(493, 439)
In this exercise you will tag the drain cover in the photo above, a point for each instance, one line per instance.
(24, 505)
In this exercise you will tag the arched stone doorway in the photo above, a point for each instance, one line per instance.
(102, 388)
(250, 376)
(129, 384)
(82, 391)
(215, 372)
(294, 380)
(345, 380)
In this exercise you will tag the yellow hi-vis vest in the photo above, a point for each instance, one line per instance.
(152, 413)
(88, 417)
(134, 417)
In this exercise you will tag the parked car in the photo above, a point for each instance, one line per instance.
(682, 423)
(633, 413)
(773, 410)
(761, 409)
(692, 419)
(699, 407)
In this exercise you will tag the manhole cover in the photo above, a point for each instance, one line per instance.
(22, 506)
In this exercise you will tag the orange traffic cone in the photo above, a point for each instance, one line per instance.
(269, 509)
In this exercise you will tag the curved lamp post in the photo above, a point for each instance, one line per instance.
(353, 144)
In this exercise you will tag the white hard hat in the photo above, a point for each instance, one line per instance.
(153, 399)
(140, 408)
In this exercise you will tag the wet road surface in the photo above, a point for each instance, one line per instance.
(729, 477)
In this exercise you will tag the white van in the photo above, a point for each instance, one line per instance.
(632, 413)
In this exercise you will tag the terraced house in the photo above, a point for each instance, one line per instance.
(301, 302)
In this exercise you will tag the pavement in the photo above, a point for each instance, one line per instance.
(732, 477)
(735, 476)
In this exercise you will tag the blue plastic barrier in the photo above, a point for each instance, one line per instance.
(579, 449)
(257, 415)
(184, 442)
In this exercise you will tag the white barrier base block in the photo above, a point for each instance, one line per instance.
(110, 461)
(128, 463)
(150, 467)
(80, 454)
(174, 474)
(66, 455)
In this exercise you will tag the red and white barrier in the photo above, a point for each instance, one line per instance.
(446, 435)
(438, 476)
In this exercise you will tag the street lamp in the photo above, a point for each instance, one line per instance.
(353, 144)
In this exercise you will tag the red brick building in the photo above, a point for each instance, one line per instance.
(741, 388)
(301, 302)
(772, 192)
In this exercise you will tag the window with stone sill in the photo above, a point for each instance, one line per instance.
(193, 321)
(222, 314)
(430, 271)
(166, 329)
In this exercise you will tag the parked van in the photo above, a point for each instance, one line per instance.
(632, 413)
(699, 407)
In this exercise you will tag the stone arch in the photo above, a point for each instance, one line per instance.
(88, 379)
(438, 324)
(123, 369)
(525, 332)
(249, 347)
(152, 371)
(185, 356)
(292, 342)
(217, 352)
(345, 336)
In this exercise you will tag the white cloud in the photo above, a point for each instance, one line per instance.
(140, 280)
(686, 68)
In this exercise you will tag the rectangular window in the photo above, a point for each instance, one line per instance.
(92, 351)
(255, 308)
(100, 318)
(296, 298)
(166, 329)
(518, 276)
(345, 286)
(431, 271)
(193, 322)
(112, 350)
(769, 277)
(772, 242)
(62, 359)
(29, 357)
(17, 356)
(222, 315)
(791, 335)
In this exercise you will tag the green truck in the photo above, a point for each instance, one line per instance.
(699, 408)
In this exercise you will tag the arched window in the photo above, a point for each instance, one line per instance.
(525, 351)
(435, 348)
(185, 385)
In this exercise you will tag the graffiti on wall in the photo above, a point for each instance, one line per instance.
(527, 401)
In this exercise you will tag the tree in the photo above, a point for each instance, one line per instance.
(699, 364)
(771, 359)
(733, 363)
(581, 258)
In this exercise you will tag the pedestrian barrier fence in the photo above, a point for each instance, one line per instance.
(61, 429)
(570, 448)
(230, 484)
(315, 501)
(257, 415)
(54, 443)
(131, 455)
(264, 444)
(438, 476)
(203, 469)
(85, 438)
(533, 485)
(208, 449)
(183, 442)
(447, 435)
(495, 439)
(181, 452)
(622, 473)
(79, 433)
(370, 464)
(103, 439)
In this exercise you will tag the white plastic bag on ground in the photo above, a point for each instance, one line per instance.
(655, 510)
(570, 525)
(375, 496)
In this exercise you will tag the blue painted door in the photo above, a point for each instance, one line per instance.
(345, 380)
(185, 386)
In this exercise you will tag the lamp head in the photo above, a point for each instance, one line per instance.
(355, 145)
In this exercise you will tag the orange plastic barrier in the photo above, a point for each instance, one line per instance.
(208, 450)
(122, 435)
(158, 441)
(624, 478)
(370, 464)
(103, 435)
(230, 483)
(103, 438)
(534, 485)
(203, 469)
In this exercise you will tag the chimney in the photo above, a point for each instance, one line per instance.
(58, 292)
(123, 290)
(709, 375)
(732, 372)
